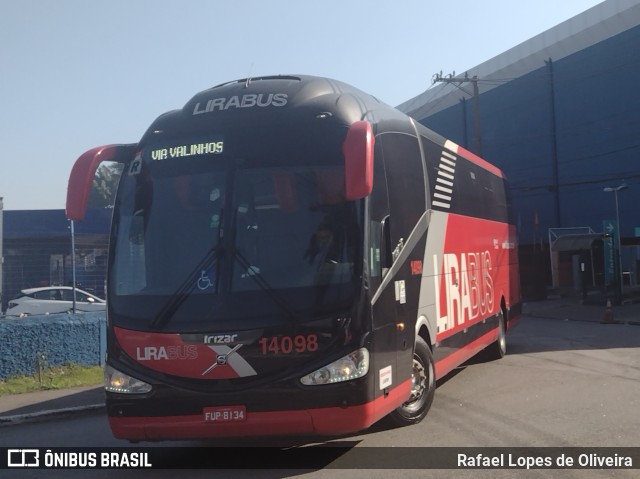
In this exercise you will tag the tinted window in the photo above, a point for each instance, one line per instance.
(460, 186)
(217, 228)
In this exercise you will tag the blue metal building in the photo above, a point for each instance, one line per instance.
(560, 114)
(37, 251)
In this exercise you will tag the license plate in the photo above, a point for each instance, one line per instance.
(225, 414)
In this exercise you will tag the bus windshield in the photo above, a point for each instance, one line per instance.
(224, 242)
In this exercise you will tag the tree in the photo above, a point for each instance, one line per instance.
(105, 184)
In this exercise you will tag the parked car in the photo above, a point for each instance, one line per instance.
(53, 299)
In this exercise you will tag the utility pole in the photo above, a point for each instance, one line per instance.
(457, 81)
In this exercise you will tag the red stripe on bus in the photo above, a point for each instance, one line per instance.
(473, 158)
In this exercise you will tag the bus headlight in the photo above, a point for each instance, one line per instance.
(118, 382)
(352, 366)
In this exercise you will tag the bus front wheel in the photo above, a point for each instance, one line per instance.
(423, 387)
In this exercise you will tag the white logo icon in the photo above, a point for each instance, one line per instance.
(23, 458)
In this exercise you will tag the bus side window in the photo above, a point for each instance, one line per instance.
(381, 257)
(374, 249)
(405, 180)
(386, 255)
(378, 212)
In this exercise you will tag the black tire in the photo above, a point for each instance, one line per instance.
(498, 349)
(423, 389)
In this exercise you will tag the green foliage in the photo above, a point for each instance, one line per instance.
(70, 375)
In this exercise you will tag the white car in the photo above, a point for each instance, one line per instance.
(53, 299)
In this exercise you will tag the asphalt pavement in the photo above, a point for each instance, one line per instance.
(41, 405)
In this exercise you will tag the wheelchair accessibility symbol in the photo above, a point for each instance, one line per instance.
(204, 282)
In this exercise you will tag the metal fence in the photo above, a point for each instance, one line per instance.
(47, 261)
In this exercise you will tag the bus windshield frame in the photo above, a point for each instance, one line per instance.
(205, 239)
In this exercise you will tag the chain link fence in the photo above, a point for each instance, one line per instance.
(37, 255)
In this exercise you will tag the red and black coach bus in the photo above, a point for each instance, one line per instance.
(289, 255)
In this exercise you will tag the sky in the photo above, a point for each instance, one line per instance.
(75, 74)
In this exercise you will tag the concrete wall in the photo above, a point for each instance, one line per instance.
(52, 340)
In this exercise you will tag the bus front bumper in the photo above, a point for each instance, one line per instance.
(319, 421)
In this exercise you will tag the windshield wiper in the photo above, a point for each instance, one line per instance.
(254, 273)
(176, 300)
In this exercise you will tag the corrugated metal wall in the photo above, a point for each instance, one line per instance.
(562, 133)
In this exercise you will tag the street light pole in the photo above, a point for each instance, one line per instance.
(615, 191)
(73, 266)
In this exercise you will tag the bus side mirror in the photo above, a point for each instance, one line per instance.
(83, 171)
(358, 160)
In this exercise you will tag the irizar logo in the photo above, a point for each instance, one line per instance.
(468, 288)
(220, 338)
(250, 100)
(228, 357)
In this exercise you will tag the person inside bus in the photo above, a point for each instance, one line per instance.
(322, 246)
